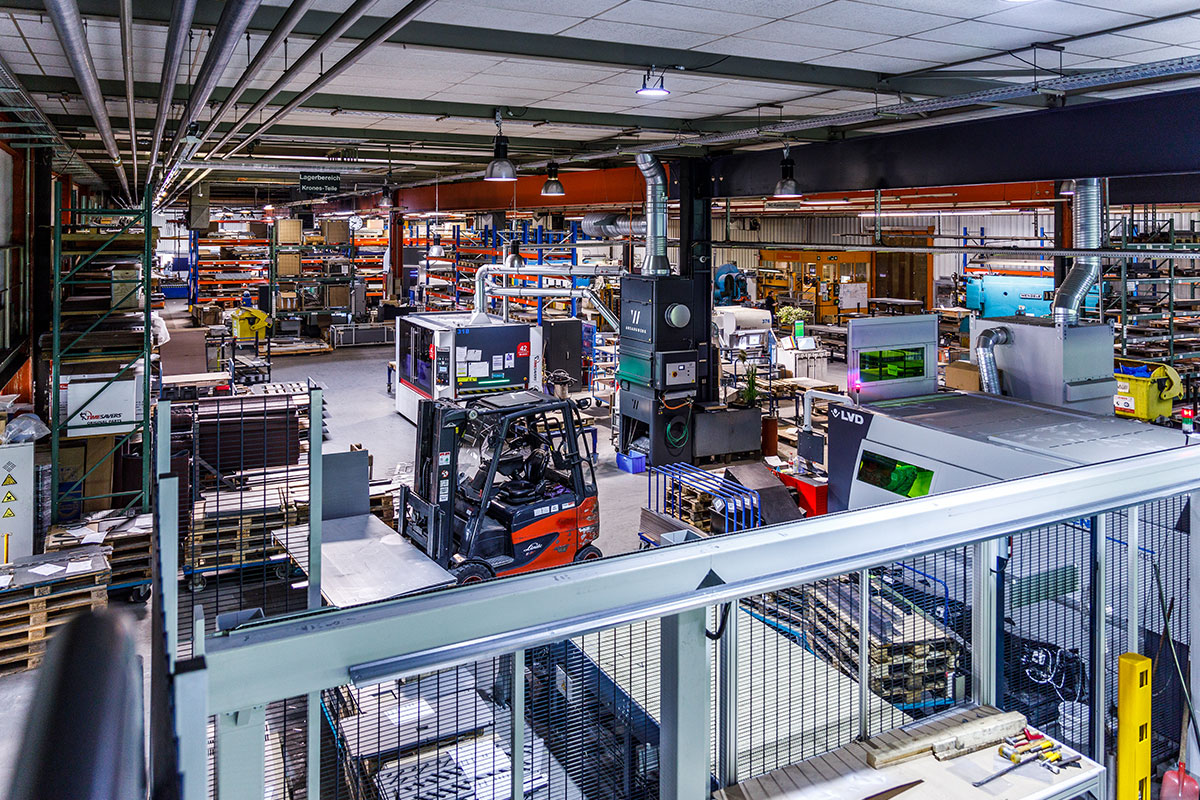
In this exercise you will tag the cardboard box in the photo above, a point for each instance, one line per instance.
(288, 264)
(337, 296)
(335, 231)
(210, 314)
(962, 375)
(288, 231)
(287, 302)
(74, 461)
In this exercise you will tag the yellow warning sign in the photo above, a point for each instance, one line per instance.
(9, 497)
(8, 512)
(9, 480)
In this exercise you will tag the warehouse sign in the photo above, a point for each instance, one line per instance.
(320, 182)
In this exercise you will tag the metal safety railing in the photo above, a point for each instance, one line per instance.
(621, 693)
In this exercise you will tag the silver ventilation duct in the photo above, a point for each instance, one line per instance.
(182, 13)
(985, 356)
(655, 262)
(1086, 270)
(602, 225)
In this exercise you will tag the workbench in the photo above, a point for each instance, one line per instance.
(844, 772)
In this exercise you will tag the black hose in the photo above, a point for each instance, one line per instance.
(1183, 684)
(720, 631)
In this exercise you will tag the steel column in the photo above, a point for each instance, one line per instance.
(240, 753)
(191, 726)
(1193, 747)
(316, 504)
(1133, 579)
(1099, 625)
(684, 706)
(727, 694)
(985, 625)
(864, 652)
(517, 724)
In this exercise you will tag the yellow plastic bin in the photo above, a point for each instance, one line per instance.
(1147, 398)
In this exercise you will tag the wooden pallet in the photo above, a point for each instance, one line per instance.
(909, 654)
(33, 605)
(131, 539)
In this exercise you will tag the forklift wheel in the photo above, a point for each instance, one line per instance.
(588, 553)
(473, 572)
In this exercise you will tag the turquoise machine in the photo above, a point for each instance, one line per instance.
(1015, 295)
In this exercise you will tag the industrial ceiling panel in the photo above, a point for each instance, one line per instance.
(984, 34)
(924, 50)
(1108, 46)
(605, 31)
(1150, 8)
(878, 19)
(574, 8)
(472, 15)
(1159, 54)
(949, 8)
(835, 38)
(856, 59)
(1055, 16)
(37, 27)
(753, 48)
(1176, 31)
(523, 68)
(666, 15)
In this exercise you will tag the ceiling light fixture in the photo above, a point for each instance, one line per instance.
(787, 188)
(651, 87)
(500, 168)
(1067, 188)
(553, 186)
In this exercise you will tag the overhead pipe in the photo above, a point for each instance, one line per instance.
(182, 14)
(1086, 215)
(382, 34)
(655, 261)
(985, 357)
(281, 31)
(69, 25)
(331, 34)
(235, 18)
(486, 271)
(127, 61)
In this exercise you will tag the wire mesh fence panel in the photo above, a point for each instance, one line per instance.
(794, 699)
(920, 637)
(1047, 628)
(1163, 618)
(242, 464)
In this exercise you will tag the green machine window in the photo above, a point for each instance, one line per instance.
(890, 365)
(894, 476)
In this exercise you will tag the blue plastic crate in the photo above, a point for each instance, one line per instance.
(632, 463)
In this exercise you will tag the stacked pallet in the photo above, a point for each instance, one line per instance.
(911, 654)
(43, 592)
(690, 505)
(131, 540)
(233, 528)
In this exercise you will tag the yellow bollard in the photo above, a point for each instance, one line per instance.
(1133, 727)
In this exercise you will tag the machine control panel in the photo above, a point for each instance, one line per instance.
(442, 367)
(676, 369)
(681, 373)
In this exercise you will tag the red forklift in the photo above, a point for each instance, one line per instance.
(503, 484)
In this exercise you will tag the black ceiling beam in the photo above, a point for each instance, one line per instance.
(379, 138)
(58, 84)
(1148, 135)
(517, 43)
(1154, 189)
